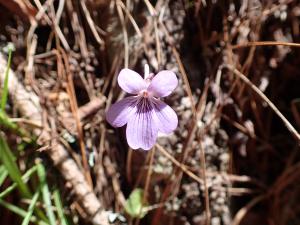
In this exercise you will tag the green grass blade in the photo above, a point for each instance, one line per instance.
(8, 160)
(25, 178)
(3, 174)
(46, 194)
(34, 199)
(20, 212)
(5, 87)
(59, 207)
(6, 122)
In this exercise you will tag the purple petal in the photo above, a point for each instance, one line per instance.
(119, 113)
(167, 117)
(163, 83)
(142, 130)
(131, 82)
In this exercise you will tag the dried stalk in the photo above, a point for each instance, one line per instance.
(27, 103)
(288, 125)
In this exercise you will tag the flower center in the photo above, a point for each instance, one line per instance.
(145, 94)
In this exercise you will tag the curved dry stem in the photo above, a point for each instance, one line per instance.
(28, 104)
(243, 211)
(288, 125)
(178, 164)
(265, 43)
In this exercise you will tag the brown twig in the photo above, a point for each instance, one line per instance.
(130, 17)
(148, 179)
(265, 43)
(243, 211)
(203, 166)
(178, 164)
(22, 8)
(288, 125)
(125, 35)
(91, 23)
(29, 107)
(74, 107)
(170, 40)
(90, 108)
(149, 173)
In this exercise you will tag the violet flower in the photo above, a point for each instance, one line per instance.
(144, 113)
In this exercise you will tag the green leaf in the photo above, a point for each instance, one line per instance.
(21, 212)
(59, 207)
(5, 87)
(134, 205)
(8, 160)
(46, 193)
(3, 174)
(6, 122)
(31, 207)
(25, 178)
